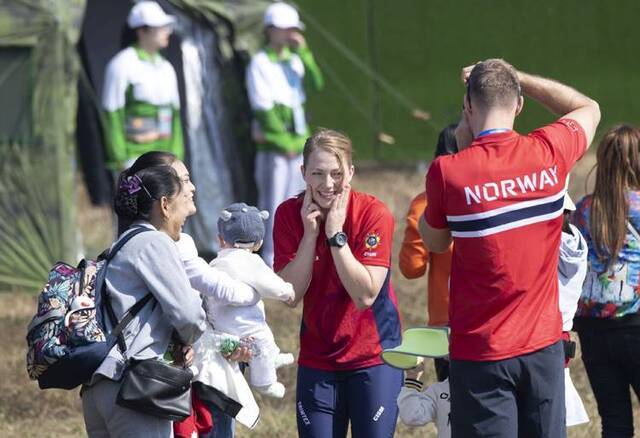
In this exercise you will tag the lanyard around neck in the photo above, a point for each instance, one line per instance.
(492, 131)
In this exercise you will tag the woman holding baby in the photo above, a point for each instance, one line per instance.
(333, 244)
(155, 199)
(145, 207)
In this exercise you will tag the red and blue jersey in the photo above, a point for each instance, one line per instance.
(502, 198)
(334, 334)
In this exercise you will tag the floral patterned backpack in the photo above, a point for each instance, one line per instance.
(66, 341)
(66, 315)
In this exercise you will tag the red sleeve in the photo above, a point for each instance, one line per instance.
(373, 244)
(285, 239)
(434, 214)
(567, 137)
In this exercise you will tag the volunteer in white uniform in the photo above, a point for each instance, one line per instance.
(277, 78)
(140, 95)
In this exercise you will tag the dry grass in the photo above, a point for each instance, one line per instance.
(28, 412)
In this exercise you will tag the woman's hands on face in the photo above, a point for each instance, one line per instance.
(337, 213)
(311, 214)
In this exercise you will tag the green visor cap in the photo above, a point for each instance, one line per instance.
(418, 342)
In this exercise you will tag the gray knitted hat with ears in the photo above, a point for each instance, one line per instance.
(240, 223)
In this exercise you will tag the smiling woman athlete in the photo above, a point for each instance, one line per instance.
(334, 245)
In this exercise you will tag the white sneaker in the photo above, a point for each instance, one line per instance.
(274, 390)
(283, 359)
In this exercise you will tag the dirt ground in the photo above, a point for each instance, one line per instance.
(26, 411)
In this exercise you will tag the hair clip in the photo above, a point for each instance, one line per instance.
(131, 184)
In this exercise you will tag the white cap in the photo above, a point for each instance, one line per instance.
(148, 13)
(282, 16)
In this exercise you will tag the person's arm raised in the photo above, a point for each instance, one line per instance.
(558, 98)
(298, 271)
(563, 100)
(362, 282)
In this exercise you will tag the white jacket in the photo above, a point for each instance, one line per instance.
(152, 82)
(417, 408)
(213, 369)
(572, 269)
(245, 319)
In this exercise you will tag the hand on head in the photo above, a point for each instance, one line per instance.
(466, 72)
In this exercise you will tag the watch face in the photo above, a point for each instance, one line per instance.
(341, 239)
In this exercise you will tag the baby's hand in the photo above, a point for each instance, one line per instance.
(291, 299)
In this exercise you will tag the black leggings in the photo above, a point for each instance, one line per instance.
(612, 360)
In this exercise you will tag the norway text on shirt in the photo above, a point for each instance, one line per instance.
(506, 188)
(520, 212)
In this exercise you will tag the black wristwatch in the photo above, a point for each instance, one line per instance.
(338, 240)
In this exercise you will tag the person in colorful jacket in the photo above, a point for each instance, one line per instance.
(608, 316)
(140, 96)
(277, 79)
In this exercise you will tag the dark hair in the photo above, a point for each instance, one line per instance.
(137, 192)
(152, 159)
(447, 144)
(493, 84)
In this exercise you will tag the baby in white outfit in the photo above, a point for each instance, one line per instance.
(241, 232)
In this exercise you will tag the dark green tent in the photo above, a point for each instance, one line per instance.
(40, 69)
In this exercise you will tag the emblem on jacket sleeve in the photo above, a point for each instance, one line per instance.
(372, 241)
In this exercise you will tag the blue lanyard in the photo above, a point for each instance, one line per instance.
(492, 131)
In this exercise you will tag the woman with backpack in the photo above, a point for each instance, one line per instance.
(156, 199)
(608, 316)
(224, 424)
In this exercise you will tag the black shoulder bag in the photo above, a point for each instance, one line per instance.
(153, 386)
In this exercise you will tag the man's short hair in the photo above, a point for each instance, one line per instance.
(493, 83)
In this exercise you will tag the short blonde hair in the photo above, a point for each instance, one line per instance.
(331, 141)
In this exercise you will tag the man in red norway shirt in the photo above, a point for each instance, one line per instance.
(501, 199)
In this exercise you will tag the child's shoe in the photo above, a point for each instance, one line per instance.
(283, 359)
(274, 390)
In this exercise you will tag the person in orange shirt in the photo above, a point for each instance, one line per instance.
(416, 259)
